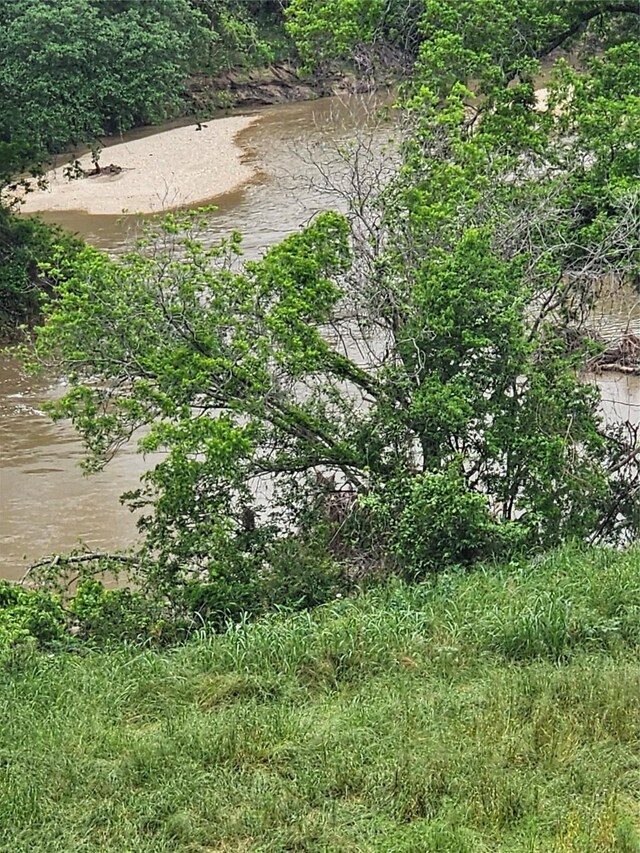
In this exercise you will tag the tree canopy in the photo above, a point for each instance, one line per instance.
(76, 69)
(468, 37)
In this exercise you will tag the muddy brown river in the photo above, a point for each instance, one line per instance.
(46, 504)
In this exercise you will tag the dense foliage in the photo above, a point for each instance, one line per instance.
(470, 36)
(29, 617)
(397, 388)
(26, 245)
(70, 72)
(76, 69)
(243, 33)
(81, 68)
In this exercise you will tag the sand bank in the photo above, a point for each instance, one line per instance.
(173, 168)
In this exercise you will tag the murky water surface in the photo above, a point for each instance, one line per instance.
(46, 504)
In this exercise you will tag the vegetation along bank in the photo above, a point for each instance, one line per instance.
(386, 591)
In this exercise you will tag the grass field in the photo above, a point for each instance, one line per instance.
(494, 712)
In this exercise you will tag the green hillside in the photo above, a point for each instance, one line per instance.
(496, 711)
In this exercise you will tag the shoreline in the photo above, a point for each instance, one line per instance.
(160, 172)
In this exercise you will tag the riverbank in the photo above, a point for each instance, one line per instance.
(177, 168)
(284, 82)
(491, 711)
(160, 172)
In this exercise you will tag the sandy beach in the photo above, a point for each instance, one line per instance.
(171, 169)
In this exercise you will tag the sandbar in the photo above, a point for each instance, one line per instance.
(168, 170)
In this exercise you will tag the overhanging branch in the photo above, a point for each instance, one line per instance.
(630, 8)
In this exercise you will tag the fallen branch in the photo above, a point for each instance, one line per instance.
(75, 559)
(623, 356)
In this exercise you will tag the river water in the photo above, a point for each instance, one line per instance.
(46, 504)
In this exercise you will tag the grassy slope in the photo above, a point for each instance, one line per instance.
(495, 712)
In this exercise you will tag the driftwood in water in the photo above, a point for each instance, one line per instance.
(623, 356)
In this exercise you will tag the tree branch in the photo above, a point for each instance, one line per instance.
(631, 8)
(74, 559)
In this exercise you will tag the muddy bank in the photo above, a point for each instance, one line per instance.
(176, 168)
(284, 82)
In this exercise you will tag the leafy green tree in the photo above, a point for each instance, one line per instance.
(465, 398)
(240, 33)
(75, 69)
(487, 39)
(341, 29)
(400, 385)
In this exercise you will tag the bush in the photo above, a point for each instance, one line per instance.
(25, 244)
(29, 616)
(225, 595)
(287, 573)
(103, 615)
(432, 522)
(302, 575)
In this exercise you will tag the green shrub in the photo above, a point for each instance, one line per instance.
(226, 595)
(119, 614)
(443, 523)
(29, 616)
(302, 575)
(25, 244)
(287, 573)
(432, 522)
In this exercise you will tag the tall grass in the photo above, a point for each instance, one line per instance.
(498, 711)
